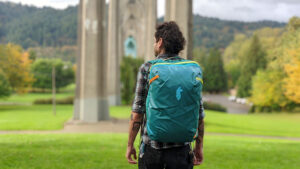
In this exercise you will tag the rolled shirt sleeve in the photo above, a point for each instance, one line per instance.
(139, 102)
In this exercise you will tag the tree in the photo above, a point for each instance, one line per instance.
(232, 58)
(277, 86)
(253, 60)
(200, 55)
(267, 89)
(5, 89)
(16, 66)
(42, 70)
(292, 81)
(129, 69)
(294, 24)
(214, 76)
(32, 55)
(288, 41)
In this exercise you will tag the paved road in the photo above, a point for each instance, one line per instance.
(232, 107)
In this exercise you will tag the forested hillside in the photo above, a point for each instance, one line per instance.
(31, 27)
(213, 32)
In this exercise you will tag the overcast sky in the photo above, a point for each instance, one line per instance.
(245, 10)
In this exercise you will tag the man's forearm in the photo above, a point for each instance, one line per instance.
(135, 123)
(199, 139)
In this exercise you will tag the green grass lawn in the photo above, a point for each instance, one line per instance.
(121, 112)
(276, 124)
(40, 117)
(282, 124)
(29, 98)
(107, 151)
(36, 117)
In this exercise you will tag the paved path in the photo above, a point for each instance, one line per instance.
(121, 126)
(232, 107)
(112, 126)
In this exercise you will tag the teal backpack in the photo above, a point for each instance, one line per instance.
(173, 100)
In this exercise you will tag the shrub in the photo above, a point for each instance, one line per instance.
(290, 107)
(67, 100)
(5, 88)
(42, 70)
(214, 106)
(129, 69)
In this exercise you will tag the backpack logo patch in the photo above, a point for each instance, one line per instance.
(178, 93)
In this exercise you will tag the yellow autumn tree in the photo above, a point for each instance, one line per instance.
(16, 65)
(292, 81)
(276, 87)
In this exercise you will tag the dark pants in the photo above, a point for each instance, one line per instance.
(172, 158)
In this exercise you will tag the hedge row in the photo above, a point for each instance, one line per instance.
(67, 100)
(214, 106)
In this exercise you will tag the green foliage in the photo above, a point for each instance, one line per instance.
(29, 98)
(65, 53)
(214, 106)
(267, 90)
(239, 48)
(32, 55)
(214, 76)
(244, 85)
(294, 24)
(253, 60)
(275, 108)
(31, 26)
(129, 69)
(234, 49)
(289, 40)
(233, 73)
(42, 70)
(5, 89)
(16, 65)
(212, 32)
(232, 58)
(200, 55)
(67, 100)
(269, 86)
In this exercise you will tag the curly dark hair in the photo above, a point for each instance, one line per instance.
(173, 40)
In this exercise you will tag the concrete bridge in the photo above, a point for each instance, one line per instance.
(103, 42)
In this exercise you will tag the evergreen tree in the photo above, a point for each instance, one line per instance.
(5, 89)
(253, 60)
(129, 70)
(215, 79)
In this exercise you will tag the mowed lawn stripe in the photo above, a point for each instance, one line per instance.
(106, 151)
(40, 117)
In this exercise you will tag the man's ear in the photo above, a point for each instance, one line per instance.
(160, 42)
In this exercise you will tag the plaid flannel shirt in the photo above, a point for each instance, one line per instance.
(139, 104)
